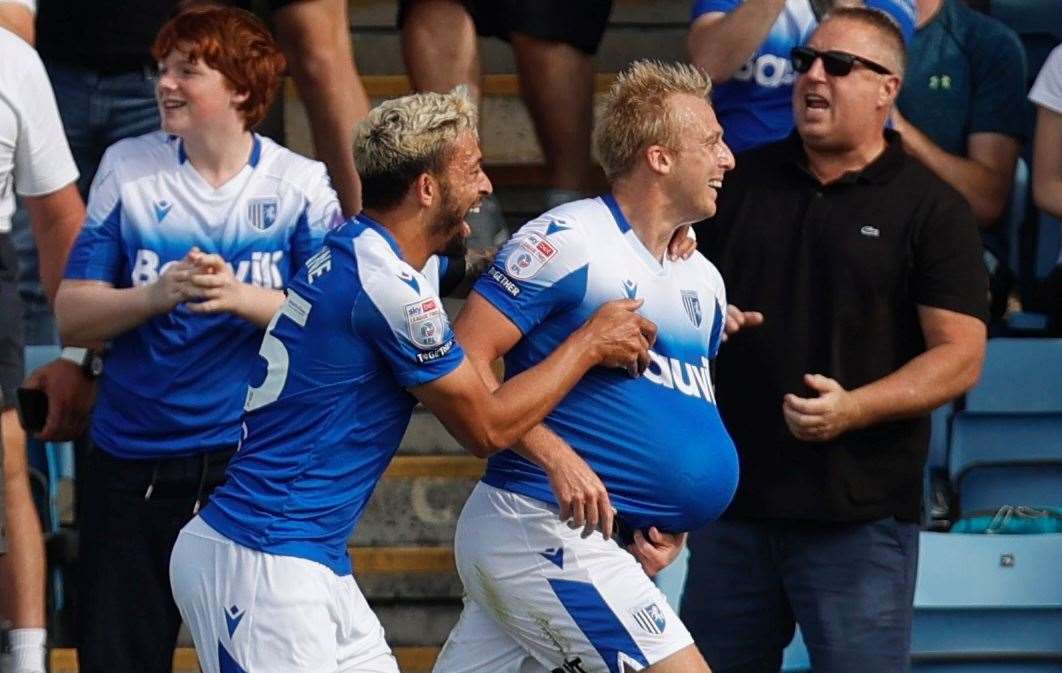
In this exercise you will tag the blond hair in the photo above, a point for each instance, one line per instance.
(405, 137)
(637, 113)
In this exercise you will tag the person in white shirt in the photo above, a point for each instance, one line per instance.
(35, 163)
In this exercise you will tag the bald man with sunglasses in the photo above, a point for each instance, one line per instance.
(862, 296)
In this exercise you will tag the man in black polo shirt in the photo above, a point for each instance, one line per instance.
(866, 268)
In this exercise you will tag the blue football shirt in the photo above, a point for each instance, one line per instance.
(174, 384)
(656, 441)
(328, 405)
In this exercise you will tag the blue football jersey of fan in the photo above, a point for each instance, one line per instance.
(755, 104)
(174, 385)
(328, 403)
(656, 441)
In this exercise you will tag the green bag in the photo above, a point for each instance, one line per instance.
(1012, 520)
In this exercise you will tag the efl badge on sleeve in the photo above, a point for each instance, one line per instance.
(692, 303)
(426, 322)
(529, 257)
(262, 213)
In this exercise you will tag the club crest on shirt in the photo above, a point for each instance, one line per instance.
(651, 619)
(426, 323)
(262, 213)
(691, 301)
(533, 253)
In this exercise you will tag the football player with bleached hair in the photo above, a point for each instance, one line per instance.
(549, 584)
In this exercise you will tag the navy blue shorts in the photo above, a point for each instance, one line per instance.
(849, 586)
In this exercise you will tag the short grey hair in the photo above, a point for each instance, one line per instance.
(637, 113)
(404, 137)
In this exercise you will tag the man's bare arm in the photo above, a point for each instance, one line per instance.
(18, 18)
(721, 43)
(951, 365)
(984, 177)
(56, 219)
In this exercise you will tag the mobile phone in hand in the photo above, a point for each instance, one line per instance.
(32, 408)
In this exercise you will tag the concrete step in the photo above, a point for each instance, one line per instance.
(410, 660)
(418, 501)
(427, 436)
(417, 623)
(391, 574)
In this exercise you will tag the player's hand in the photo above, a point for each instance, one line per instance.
(172, 287)
(620, 337)
(822, 418)
(657, 550)
(737, 320)
(213, 285)
(583, 500)
(683, 243)
(71, 394)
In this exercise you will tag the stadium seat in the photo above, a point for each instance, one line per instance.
(936, 490)
(998, 459)
(1037, 22)
(1002, 613)
(1019, 375)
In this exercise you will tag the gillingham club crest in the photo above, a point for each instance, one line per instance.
(262, 213)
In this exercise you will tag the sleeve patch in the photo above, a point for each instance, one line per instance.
(504, 281)
(426, 323)
(533, 253)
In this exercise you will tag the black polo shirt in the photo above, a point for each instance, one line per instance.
(838, 271)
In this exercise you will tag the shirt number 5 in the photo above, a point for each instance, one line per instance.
(276, 354)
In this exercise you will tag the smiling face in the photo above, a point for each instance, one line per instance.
(701, 158)
(462, 185)
(844, 112)
(193, 97)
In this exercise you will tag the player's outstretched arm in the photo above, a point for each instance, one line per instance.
(485, 335)
(487, 422)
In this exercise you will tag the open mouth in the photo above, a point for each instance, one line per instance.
(715, 184)
(816, 102)
(173, 104)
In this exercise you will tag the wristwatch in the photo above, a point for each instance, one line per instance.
(90, 362)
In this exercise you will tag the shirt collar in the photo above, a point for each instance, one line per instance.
(878, 171)
(252, 161)
(367, 221)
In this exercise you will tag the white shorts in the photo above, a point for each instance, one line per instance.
(253, 612)
(539, 597)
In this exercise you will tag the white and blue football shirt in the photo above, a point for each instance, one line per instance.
(175, 384)
(656, 441)
(328, 405)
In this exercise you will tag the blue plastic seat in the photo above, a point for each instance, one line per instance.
(999, 459)
(988, 603)
(1019, 375)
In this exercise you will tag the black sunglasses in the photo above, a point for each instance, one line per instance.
(836, 63)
